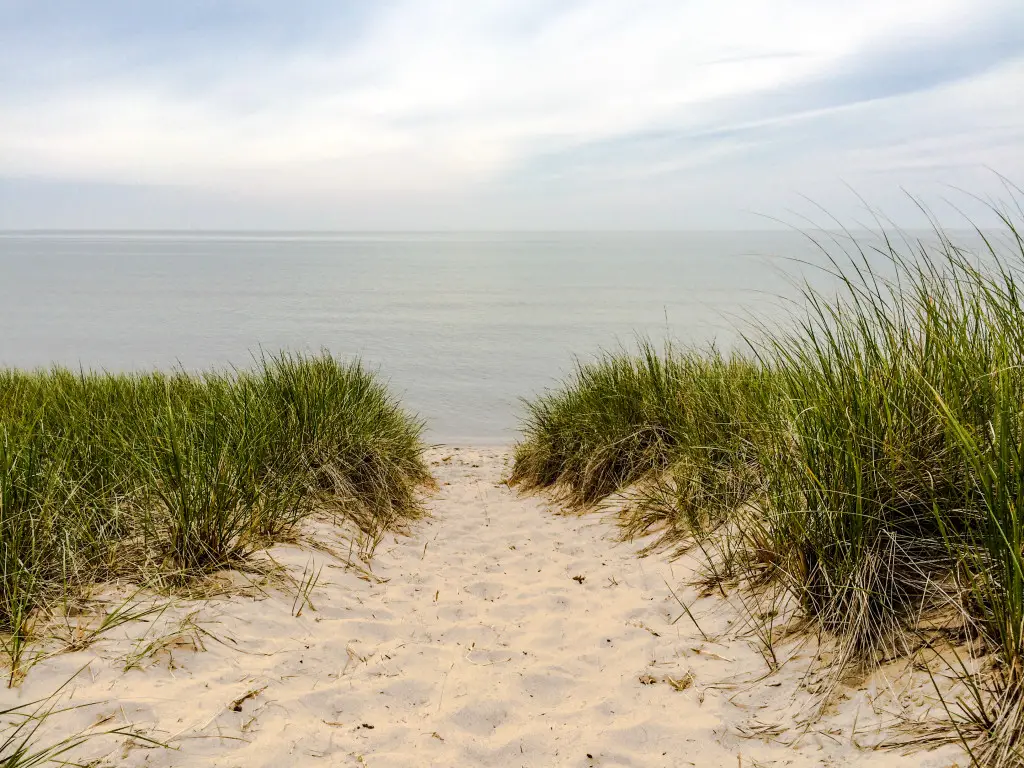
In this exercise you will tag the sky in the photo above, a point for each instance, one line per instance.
(503, 114)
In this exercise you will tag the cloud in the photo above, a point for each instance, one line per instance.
(399, 111)
(884, 69)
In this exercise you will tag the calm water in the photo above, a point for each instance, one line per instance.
(462, 325)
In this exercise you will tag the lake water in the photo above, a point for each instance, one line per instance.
(462, 325)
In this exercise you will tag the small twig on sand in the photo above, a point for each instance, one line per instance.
(443, 683)
(685, 608)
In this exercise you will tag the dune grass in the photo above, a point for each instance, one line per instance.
(161, 477)
(684, 422)
(866, 456)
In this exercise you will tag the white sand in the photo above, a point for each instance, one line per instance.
(478, 648)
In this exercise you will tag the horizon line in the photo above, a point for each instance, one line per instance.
(453, 231)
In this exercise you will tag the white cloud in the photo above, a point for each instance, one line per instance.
(450, 98)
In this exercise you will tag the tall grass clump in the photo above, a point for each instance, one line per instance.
(613, 423)
(867, 473)
(900, 493)
(355, 443)
(169, 475)
(685, 422)
(30, 496)
(882, 432)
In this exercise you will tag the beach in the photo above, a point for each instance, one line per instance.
(497, 631)
(512, 384)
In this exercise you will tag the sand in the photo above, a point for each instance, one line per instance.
(498, 633)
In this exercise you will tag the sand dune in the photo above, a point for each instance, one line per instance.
(497, 634)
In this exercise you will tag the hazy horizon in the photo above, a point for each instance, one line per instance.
(855, 231)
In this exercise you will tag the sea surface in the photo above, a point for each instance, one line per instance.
(462, 325)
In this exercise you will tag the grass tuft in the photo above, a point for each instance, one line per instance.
(165, 476)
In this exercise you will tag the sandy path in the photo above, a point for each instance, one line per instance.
(502, 635)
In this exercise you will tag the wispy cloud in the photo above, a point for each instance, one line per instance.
(536, 112)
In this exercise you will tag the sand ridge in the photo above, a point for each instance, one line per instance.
(498, 633)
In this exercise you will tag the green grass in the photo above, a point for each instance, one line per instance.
(684, 422)
(167, 476)
(866, 456)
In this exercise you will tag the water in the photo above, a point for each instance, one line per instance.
(462, 325)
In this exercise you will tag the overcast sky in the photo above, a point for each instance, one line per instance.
(385, 114)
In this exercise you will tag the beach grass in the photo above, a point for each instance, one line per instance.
(866, 454)
(162, 477)
(684, 422)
